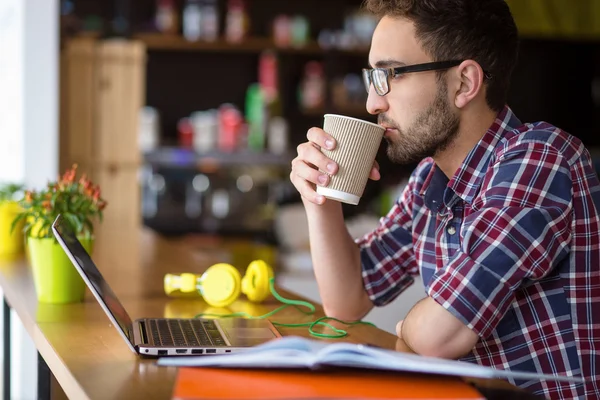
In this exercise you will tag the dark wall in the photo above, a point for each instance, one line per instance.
(553, 82)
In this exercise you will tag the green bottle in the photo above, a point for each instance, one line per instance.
(256, 117)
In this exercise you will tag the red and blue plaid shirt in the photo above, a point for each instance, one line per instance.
(510, 246)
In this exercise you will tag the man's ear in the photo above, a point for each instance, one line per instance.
(470, 77)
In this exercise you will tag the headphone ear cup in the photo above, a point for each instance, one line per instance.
(255, 284)
(221, 285)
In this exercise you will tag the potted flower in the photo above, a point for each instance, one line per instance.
(80, 203)
(11, 242)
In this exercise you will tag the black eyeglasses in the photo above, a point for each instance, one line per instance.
(380, 77)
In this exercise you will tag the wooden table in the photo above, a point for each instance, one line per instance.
(86, 355)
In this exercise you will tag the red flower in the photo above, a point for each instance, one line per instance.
(47, 205)
(83, 181)
(96, 195)
(69, 176)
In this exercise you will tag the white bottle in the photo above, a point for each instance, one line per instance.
(192, 21)
(277, 136)
(149, 129)
(203, 125)
(210, 21)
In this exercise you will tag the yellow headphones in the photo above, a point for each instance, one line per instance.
(222, 283)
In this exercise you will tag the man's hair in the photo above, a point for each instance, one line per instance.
(479, 30)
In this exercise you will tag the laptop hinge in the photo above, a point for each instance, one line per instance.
(142, 327)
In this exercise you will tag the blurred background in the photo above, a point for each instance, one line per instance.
(188, 112)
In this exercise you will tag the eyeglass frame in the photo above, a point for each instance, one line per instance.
(367, 74)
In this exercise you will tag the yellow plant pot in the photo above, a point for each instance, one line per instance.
(11, 243)
(56, 279)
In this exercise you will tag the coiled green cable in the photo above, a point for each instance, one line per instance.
(338, 333)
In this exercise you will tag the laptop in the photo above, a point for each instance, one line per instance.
(163, 336)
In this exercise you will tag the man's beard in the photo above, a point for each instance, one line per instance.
(433, 131)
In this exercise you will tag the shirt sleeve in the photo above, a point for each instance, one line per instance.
(519, 230)
(387, 256)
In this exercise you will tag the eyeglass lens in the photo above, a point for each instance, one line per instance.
(379, 78)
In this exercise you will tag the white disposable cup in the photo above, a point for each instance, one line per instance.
(357, 143)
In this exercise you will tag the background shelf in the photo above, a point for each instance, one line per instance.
(183, 158)
(158, 41)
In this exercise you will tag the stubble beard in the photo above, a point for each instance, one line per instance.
(432, 132)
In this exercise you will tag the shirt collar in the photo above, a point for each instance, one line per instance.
(467, 179)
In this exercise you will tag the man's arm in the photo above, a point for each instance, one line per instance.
(336, 262)
(335, 256)
(510, 236)
(431, 330)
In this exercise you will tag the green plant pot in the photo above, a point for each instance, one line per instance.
(11, 243)
(56, 279)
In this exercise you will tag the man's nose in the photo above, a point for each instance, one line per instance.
(376, 104)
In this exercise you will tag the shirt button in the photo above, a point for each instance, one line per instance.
(451, 230)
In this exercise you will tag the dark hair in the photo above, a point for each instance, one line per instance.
(480, 30)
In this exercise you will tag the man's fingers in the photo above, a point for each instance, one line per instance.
(309, 173)
(375, 174)
(308, 192)
(399, 329)
(319, 137)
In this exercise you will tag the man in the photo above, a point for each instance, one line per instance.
(500, 218)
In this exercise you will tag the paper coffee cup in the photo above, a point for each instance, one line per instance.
(357, 142)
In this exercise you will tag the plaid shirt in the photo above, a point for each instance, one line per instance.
(510, 246)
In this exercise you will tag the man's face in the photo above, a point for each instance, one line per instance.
(417, 112)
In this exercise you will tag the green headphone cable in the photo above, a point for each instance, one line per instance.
(339, 333)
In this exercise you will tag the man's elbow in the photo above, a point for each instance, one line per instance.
(431, 330)
(348, 311)
(442, 346)
(341, 314)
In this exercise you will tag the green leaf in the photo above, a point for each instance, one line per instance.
(75, 222)
(16, 221)
(89, 225)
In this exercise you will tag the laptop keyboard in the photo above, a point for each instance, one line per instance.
(185, 332)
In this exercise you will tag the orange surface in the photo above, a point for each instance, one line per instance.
(210, 383)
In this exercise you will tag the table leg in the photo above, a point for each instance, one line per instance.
(6, 348)
(44, 379)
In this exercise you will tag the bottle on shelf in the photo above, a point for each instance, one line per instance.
(236, 21)
(192, 20)
(185, 133)
(210, 21)
(205, 127)
(278, 136)
(166, 19)
(148, 129)
(230, 127)
(267, 75)
(282, 30)
(312, 87)
(300, 30)
(256, 116)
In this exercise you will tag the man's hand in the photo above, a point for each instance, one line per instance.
(399, 329)
(310, 161)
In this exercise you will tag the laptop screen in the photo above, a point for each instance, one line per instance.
(91, 275)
